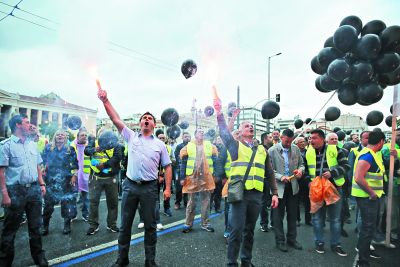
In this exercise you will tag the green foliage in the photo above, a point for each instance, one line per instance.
(48, 129)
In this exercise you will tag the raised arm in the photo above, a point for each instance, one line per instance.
(111, 112)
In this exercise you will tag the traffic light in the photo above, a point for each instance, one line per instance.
(278, 98)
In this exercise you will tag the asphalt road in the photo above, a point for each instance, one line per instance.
(174, 248)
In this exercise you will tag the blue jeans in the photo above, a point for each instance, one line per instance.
(368, 211)
(318, 220)
(85, 203)
(243, 216)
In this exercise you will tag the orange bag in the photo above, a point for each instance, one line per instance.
(316, 190)
(331, 195)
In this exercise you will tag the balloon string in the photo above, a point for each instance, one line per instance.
(329, 99)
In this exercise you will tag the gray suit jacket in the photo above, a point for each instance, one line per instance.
(278, 163)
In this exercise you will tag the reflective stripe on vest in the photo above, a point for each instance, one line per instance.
(331, 159)
(255, 180)
(374, 180)
(102, 157)
(227, 166)
(191, 150)
(86, 160)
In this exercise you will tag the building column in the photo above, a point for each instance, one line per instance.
(59, 119)
(50, 118)
(39, 117)
(28, 113)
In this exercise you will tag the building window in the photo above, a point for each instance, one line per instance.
(45, 117)
(54, 117)
(23, 111)
(64, 120)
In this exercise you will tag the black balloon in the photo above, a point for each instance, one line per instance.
(353, 21)
(373, 27)
(188, 68)
(108, 140)
(344, 38)
(336, 129)
(368, 47)
(74, 122)
(211, 133)
(388, 120)
(349, 144)
(370, 93)
(374, 117)
(332, 114)
(327, 55)
(390, 78)
(308, 120)
(341, 135)
(329, 84)
(269, 110)
(339, 70)
(298, 123)
(348, 132)
(348, 94)
(319, 87)
(170, 117)
(387, 62)
(184, 125)
(391, 109)
(173, 132)
(329, 42)
(316, 67)
(208, 111)
(362, 72)
(390, 38)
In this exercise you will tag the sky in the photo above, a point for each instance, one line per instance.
(136, 49)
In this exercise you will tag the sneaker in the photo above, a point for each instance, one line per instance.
(177, 206)
(207, 228)
(264, 228)
(383, 243)
(320, 248)
(374, 255)
(92, 230)
(24, 220)
(226, 234)
(85, 218)
(338, 250)
(113, 229)
(140, 225)
(186, 229)
(75, 218)
(168, 213)
(159, 226)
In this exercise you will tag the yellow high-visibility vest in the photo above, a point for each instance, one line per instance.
(191, 150)
(86, 159)
(102, 157)
(331, 159)
(374, 180)
(255, 180)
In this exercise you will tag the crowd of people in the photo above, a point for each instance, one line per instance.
(276, 174)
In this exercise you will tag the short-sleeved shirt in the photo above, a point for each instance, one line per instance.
(370, 159)
(20, 160)
(145, 155)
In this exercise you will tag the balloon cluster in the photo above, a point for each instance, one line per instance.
(170, 118)
(359, 61)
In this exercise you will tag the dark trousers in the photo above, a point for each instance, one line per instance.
(369, 211)
(216, 195)
(132, 195)
(265, 203)
(287, 204)
(304, 197)
(179, 196)
(63, 193)
(242, 220)
(27, 200)
(110, 187)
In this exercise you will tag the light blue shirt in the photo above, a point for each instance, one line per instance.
(145, 155)
(285, 155)
(20, 160)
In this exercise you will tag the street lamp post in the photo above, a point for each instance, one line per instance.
(269, 83)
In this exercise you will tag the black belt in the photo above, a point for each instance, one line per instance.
(25, 185)
(141, 182)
